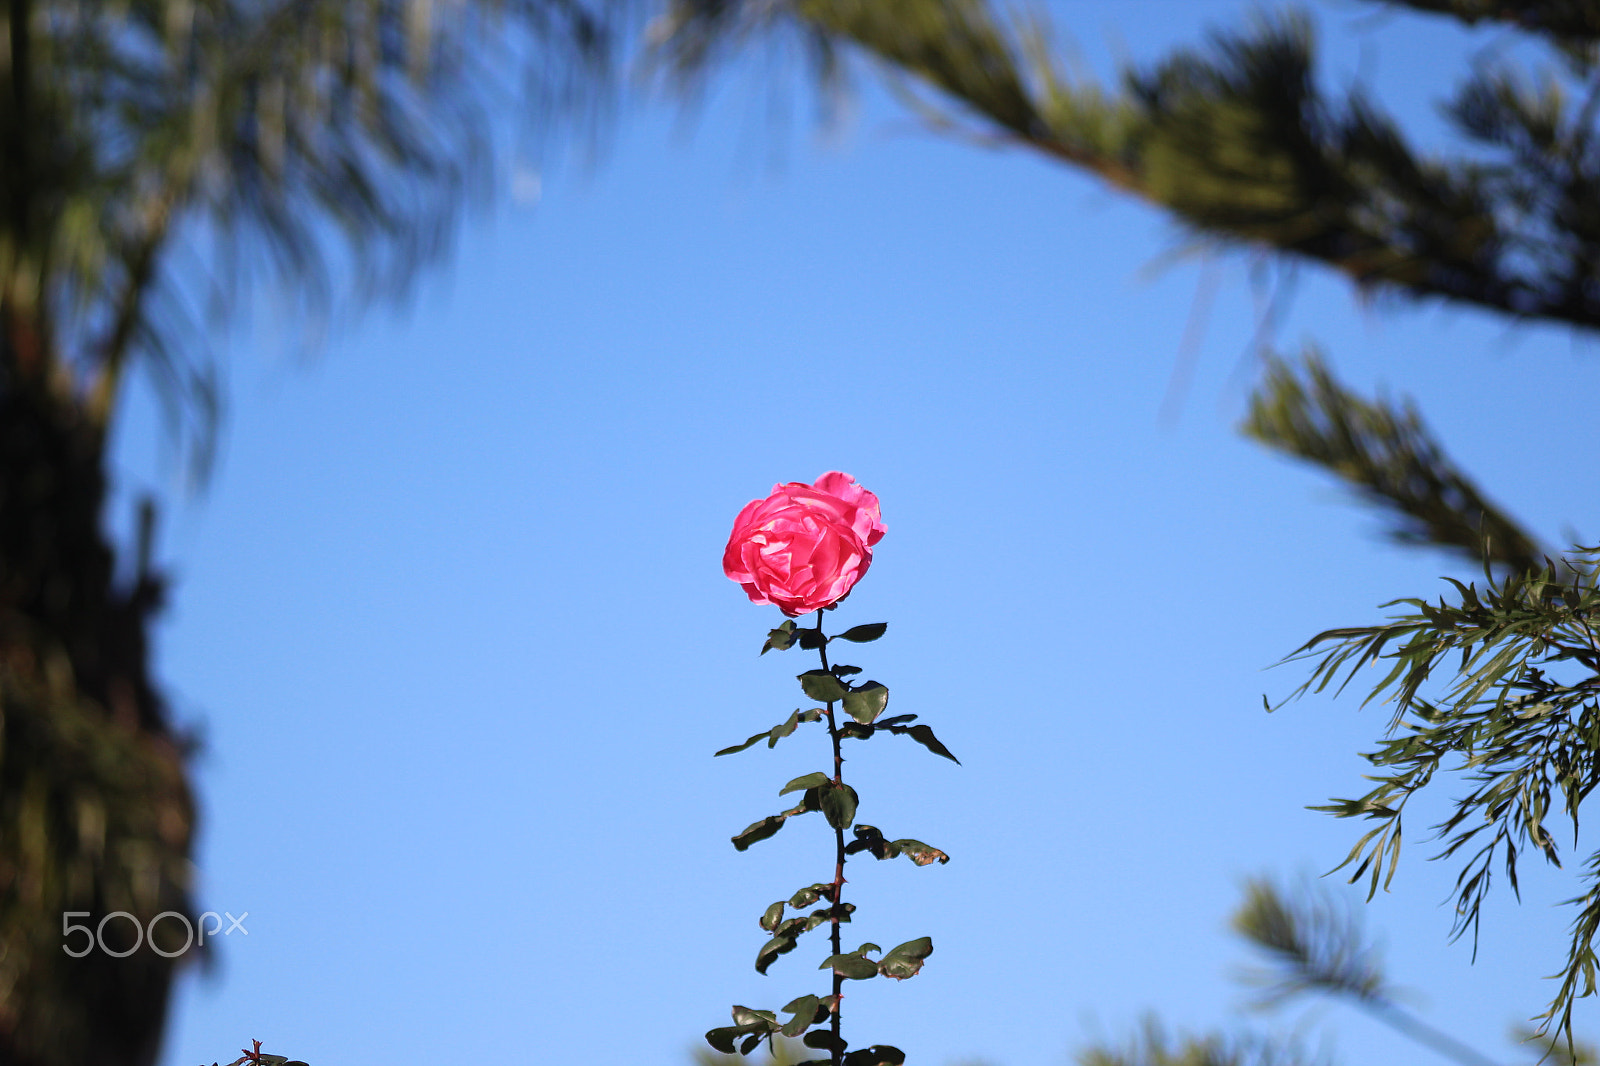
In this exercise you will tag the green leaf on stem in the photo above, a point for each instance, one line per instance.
(793, 927)
(905, 960)
(780, 639)
(824, 1040)
(759, 830)
(822, 686)
(867, 702)
(772, 916)
(722, 1038)
(778, 945)
(876, 1055)
(773, 823)
(746, 744)
(788, 933)
(851, 966)
(810, 894)
(757, 1023)
(746, 1018)
(918, 852)
(794, 1005)
(869, 839)
(805, 1010)
(752, 1043)
(777, 732)
(862, 634)
(839, 805)
(843, 912)
(810, 639)
(844, 671)
(924, 736)
(855, 730)
(815, 780)
(920, 733)
(783, 729)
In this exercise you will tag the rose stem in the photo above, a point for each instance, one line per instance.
(838, 866)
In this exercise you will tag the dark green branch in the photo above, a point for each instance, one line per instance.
(1390, 458)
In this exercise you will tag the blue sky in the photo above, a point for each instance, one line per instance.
(452, 623)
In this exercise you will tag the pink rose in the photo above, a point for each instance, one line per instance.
(805, 546)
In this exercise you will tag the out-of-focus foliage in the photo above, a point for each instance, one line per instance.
(1153, 1046)
(1312, 946)
(779, 1052)
(1390, 457)
(1315, 946)
(325, 145)
(297, 142)
(1237, 140)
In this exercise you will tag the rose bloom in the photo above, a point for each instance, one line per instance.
(805, 546)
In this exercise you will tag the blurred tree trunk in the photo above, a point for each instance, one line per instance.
(95, 810)
(94, 801)
(300, 133)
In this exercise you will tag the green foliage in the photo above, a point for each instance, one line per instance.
(1573, 22)
(1154, 1047)
(1315, 945)
(1556, 1050)
(876, 1055)
(298, 132)
(1390, 457)
(924, 736)
(780, 639)
(854, 965)
(1237, 140)
(766, 827)
(905, 960)
(1517, 721)
(871, 841)
(777, 732)
(866, 702)
(805, 781)
(823, 686)
(900, 724)
(838, 801)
